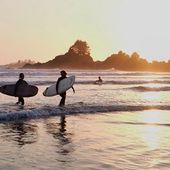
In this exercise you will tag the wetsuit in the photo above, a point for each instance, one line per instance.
(63, 95)
(18, 83)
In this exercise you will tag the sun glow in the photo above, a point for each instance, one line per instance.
(145, 29)
(151, 97)
(151, 116)
(40, 30)
(152, 132)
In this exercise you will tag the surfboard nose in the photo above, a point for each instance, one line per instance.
(44, 93)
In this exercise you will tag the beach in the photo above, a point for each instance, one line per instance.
(121, 124)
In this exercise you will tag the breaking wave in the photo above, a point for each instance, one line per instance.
(74, 109)
(150, 89)
(90, 82)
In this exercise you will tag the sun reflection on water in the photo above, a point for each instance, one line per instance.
(152, 132)
(152, 96)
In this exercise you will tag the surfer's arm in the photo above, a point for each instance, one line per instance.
(73, 89)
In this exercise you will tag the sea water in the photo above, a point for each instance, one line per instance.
(122, 124)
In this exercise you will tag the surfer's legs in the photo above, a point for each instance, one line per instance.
(20, 100)
(63, 98)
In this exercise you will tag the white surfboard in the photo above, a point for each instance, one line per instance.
(63, 86)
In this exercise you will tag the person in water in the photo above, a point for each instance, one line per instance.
(21, 81)
(63, 95)
(99, 80)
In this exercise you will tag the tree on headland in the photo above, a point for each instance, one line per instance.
(160, 66)
(137, 63)
(116, 61)
(80, 47)
(77, 57)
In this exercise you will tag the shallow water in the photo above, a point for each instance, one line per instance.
(122, 124)
(121, 140)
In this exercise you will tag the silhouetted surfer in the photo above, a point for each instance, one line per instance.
(99, 81)
(21, 81)
(63, 95)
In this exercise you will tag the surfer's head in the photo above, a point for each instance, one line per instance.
(21, 75)
(63, 73)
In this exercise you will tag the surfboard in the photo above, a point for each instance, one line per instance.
(98, 82)
(63, 86)
(24, 90)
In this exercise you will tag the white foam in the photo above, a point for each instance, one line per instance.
(73, 109)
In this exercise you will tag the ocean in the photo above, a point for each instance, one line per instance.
(122, 124)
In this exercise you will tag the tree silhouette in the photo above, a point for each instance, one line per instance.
(80, 47)
(78, 57)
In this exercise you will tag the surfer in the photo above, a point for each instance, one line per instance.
(63, 95)
(99, 81)
(18, 83)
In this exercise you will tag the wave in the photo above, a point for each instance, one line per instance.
(150, 89)
(15, 71)
(90, 82)
(73, 109)
(139, 123)
(131, 82)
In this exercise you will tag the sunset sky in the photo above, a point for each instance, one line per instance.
(41, 29)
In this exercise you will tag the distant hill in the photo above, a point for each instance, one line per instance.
(19, 64)
(78, 57)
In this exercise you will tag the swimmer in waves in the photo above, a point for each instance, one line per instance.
(99, 81)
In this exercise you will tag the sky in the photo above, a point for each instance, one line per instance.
(42, 29)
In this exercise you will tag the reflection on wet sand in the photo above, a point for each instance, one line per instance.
(64, 145)
(21, 132)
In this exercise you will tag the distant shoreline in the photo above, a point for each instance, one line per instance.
(78, 58)
(93, 70)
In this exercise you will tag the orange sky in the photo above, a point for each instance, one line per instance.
(41, 29)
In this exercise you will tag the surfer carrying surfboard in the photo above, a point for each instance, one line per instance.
(21, 81)
(63, 95)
